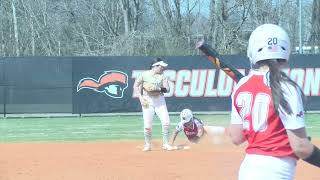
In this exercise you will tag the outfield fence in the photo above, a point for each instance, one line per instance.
(54, 86)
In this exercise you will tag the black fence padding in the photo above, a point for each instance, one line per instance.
(49, 84)
(38, 72)
(36, 85)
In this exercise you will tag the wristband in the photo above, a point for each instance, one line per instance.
(314, 158)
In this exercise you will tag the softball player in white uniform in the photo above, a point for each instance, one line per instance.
(150, 87)
(267, 112)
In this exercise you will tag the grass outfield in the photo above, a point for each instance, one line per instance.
(103, 128)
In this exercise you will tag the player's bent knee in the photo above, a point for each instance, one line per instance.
(147, 129)
(166, 126)
(195, 139)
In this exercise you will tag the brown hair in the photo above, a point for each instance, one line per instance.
(155, 60)
(276, 78)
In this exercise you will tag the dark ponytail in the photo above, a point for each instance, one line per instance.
(155, 60)
(276, 78)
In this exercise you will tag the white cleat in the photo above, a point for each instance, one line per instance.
(167, 147)
(146, 148)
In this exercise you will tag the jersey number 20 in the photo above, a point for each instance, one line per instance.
(258, 109)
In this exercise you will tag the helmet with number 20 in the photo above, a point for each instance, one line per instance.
(186, 116)
(268, 41)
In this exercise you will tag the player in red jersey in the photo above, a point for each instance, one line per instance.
(267, 111)
(194, 128)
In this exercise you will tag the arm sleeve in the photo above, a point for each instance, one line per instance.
(235, 116)
(293, 97)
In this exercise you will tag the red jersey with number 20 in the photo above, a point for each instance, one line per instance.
(264, 129)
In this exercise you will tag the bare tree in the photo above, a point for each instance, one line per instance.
(227, 22)
(315, 24)
(15, 26)
(132, 13)
(143, 27)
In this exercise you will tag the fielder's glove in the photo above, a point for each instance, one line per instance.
(149, 87)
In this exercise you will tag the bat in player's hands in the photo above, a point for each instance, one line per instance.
(215, 58)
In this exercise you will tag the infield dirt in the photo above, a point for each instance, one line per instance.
(124, 160)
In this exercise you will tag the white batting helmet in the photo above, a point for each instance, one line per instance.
(268, 41)
(186, 115)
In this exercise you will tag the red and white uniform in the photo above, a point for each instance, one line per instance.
(190, 132)
(268, 144)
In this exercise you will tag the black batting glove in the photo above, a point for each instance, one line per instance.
(163, 90)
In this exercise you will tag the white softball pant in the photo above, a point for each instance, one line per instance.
(262, 167)
(156, 105)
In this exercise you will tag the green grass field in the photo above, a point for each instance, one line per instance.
(103, 128)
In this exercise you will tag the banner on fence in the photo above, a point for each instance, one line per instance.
(105, 84)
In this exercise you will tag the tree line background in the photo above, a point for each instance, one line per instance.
(146, 27)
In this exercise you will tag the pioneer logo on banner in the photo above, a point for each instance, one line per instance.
(112, 83)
